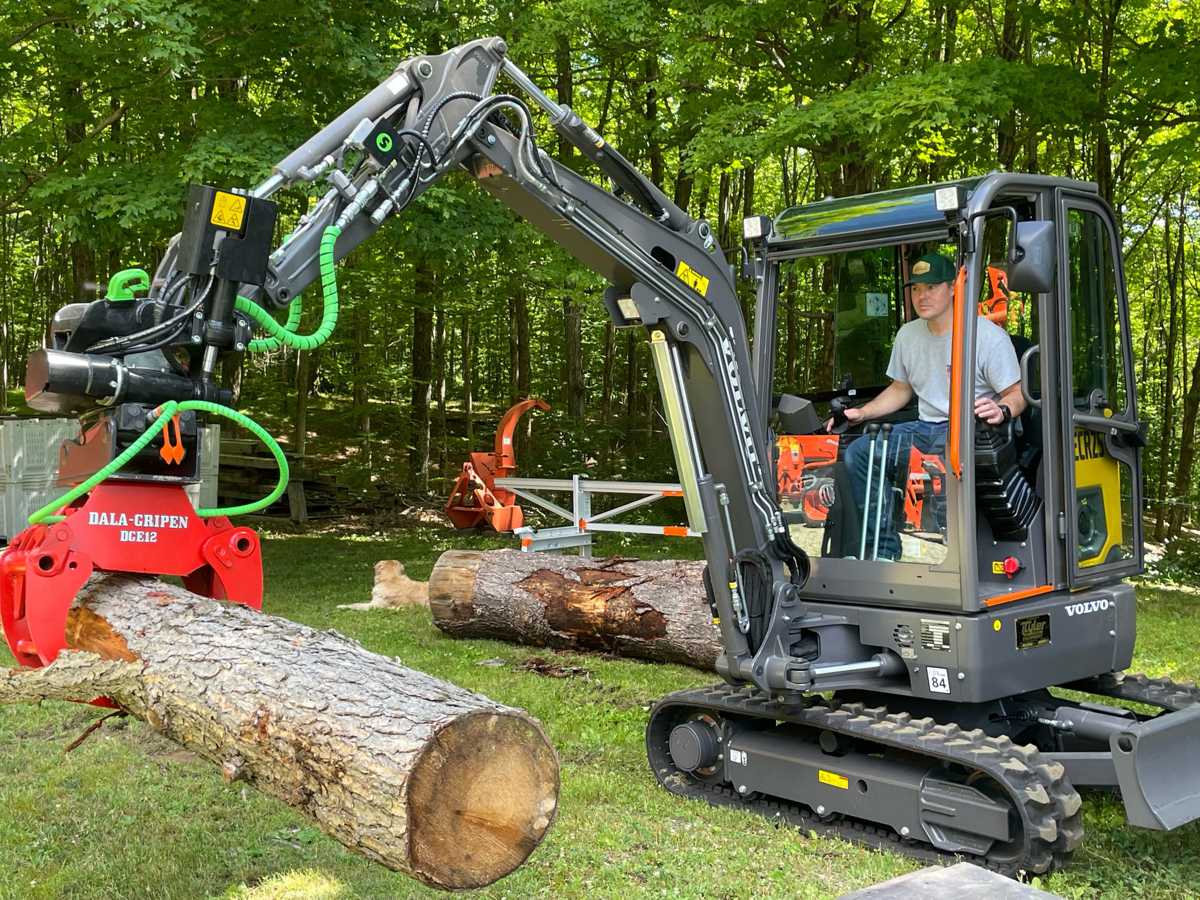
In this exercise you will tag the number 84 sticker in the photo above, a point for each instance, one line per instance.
(939, 680)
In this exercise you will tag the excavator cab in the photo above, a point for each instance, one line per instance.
(1046, 502)
(940, 651)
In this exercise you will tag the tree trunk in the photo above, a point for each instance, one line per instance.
(631, 374)
(411, 772)
(524, 437)
(514, 350)
(1173, 259)
(1009, 50)
(300, 422)
(439, 384)
(648, 609)
(575, 388)
(359, 367)
(1187, 450)
(422, 377)
(606, 392)
(468, 378)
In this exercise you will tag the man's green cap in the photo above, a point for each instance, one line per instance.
(932, 268)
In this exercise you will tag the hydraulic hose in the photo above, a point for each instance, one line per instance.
(164, 415)
(277, 335)
(286, 334)
(261, 345)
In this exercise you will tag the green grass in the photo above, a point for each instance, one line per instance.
(128, 815)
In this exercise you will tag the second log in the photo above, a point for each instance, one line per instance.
(644, 609)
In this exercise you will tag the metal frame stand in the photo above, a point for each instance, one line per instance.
(582, 522)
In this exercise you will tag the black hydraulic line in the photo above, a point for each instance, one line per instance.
(116, 345)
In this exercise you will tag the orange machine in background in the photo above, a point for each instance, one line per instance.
(805, 477)
(805, 473)
(475, 501)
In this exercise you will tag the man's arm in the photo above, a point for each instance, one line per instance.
(893, 397)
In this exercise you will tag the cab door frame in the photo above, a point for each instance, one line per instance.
(1119, 432)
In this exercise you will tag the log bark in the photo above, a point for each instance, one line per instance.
(417, 774)
(644, 609)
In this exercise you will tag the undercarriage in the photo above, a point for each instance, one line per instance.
(995, 788)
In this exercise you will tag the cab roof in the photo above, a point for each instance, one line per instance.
(895, 216)
(903, 211)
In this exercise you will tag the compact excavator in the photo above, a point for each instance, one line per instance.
(946, 702)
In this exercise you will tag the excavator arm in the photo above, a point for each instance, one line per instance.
(443, 113)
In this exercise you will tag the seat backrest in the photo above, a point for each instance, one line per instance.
(1029, 442)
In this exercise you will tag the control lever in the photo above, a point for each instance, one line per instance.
(839, 424)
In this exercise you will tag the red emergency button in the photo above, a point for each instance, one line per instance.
(1012, 566)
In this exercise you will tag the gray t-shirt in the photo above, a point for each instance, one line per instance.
(922, 359)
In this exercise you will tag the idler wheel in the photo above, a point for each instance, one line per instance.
(694, 745)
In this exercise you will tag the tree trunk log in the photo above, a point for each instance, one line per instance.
(417, 774)
(646, 609)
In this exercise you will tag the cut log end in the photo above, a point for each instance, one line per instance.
(481, 798)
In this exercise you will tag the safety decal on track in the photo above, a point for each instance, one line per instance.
(833, 779)
(692, 278)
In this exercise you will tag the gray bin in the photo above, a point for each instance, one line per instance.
(29, 466)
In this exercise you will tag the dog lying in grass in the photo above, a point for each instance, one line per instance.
(393, 589)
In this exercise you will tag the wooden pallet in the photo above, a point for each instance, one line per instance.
(248, 472)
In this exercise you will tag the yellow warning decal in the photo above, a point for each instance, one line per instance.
(997, 567)
(228, 211)
(833, 779)
(692, 278)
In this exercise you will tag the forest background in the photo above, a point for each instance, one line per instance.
(109, 109)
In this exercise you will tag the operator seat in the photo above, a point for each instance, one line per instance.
(1028, 438)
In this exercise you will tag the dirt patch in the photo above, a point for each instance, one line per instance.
(539, 665)
(160, 749)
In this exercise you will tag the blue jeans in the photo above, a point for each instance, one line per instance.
(927, 437)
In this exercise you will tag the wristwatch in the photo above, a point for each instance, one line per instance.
(1008, 413)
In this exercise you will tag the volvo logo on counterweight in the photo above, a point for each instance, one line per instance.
(1088, 606)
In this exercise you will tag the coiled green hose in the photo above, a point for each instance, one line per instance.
(329, 314)
(165, 413)
(261, 345)
(277, 334)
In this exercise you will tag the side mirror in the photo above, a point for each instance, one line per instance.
(1031, 260)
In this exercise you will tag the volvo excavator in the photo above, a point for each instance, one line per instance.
(948, 702)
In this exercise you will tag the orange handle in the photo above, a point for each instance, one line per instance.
(954, 439)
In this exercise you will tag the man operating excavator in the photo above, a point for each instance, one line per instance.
(920, 364)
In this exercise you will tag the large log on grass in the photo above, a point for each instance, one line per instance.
(648, 609)
(415, 773)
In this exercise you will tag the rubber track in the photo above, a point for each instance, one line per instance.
(1160, 692)
(1048, 807)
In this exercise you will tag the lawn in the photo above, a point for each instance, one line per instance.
(129, 815)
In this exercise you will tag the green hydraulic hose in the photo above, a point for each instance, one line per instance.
(260, 345)
(277, 334)
(329, 315)
(165, 413)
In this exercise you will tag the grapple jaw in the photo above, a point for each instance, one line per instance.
(135, 527)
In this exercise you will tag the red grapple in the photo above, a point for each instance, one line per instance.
(141, 527)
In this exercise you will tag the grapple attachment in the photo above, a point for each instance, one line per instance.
(137, 527)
